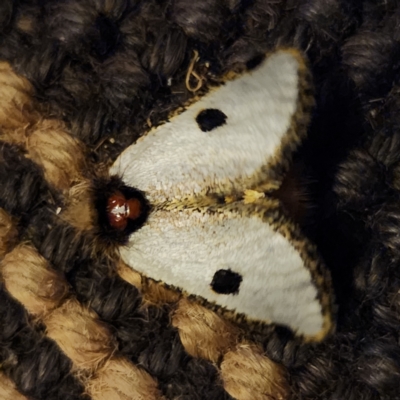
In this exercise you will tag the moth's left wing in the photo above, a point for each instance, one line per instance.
(244, 258)
(232, 139)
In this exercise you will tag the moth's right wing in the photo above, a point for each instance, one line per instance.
(243, 258)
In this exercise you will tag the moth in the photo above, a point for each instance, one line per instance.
(215, 231)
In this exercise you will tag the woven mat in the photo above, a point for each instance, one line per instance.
(80, 80)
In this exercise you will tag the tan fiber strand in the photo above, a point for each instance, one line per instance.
(8, 390)
(86, 341)
(17, 110)
(26, 23)
(28, 279)
(8, 233)
(246, 372)
(120, 380)
(202, 332)
(47, 141)
(79, 211)
(129, 275)
(60, 155)
(249, 375)
(157, 294)
(153, 293)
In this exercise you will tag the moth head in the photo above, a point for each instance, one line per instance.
(121, 209)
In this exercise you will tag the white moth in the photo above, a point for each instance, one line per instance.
(214, 232)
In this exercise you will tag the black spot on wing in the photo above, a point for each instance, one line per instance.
(226, 281)
(210, 119)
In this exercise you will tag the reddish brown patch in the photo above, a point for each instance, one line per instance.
(134, 208)
(119, 210)
(116, 211)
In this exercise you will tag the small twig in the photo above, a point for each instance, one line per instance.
(191, 72)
